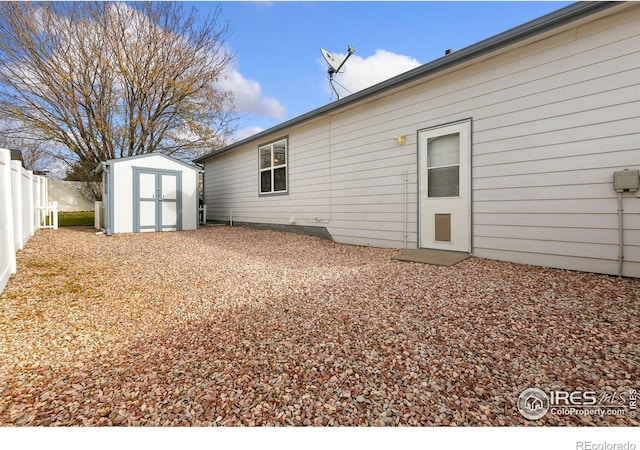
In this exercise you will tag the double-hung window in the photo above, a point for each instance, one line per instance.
(273, 167)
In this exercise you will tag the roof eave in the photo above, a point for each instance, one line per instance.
(102, 165)
(550, 21)
(108, 162)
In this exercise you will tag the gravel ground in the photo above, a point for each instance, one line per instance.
(234, 326)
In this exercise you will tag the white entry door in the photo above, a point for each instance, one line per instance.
(445, 187)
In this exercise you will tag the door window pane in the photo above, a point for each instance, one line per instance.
(444, 182)
(443, 150)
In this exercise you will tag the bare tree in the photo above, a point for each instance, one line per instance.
(109, 80)
(88, 182)
(35, 156)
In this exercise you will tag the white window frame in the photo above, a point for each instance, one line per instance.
(272, 168)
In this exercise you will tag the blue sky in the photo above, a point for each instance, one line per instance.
(279, 72)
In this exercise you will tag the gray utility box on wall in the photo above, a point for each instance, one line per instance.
(626, 180)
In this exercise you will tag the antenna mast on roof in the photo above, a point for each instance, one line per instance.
(335, 66)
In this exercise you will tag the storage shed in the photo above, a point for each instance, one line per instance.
(506, 149)
(151, 192)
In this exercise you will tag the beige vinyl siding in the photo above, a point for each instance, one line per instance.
(232, 186)
(543, 162)
(552, 119)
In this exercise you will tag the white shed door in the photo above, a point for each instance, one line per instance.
(157, 200)
(445, 208)
(147, 202)
(169, 199)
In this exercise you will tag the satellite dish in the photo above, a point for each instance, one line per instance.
(333, 61)
(335, 65)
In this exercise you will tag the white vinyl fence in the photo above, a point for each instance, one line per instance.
(24, 208)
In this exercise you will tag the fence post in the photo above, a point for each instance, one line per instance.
(45, 190)
(44, 198)
(36, 213)
(97, 218)
(54, 211)
(16, 189)
(27, 205)
(7, 249)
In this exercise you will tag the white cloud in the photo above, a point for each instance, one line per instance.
(247, 96)
(364, 72)
(245, 133)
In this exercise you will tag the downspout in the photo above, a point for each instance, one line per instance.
(204, 199)
(200, 176)
(109, 207)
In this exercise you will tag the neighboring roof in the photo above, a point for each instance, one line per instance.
(100, 167)
(16, 155)
(543, 24)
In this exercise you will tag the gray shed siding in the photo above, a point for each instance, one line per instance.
(553, 117)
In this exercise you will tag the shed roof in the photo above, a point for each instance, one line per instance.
(100, 167)
(527, 30)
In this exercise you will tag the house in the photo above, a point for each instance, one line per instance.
(506, 149)
(16, 155)
(150, 192)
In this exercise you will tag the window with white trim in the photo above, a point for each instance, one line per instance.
(273, 167)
